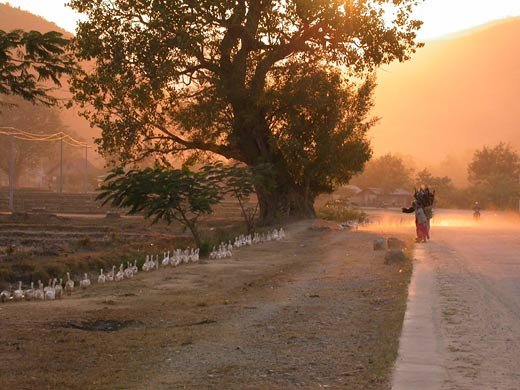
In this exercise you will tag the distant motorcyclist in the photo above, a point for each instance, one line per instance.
(476, 211)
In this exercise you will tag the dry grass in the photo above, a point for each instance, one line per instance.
(318, 309)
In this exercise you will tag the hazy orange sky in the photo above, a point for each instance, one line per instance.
(440, 17)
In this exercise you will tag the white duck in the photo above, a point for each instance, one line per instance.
(69, 285)
(85, 282)
(38, 293)
(166, 258)
(58, 288)
(129, 271)
(18, 294)
(29, 293)
(146, 265)
(50, 292)
(195, 254)
(5, 295)
(111, 275)
(48, 287)
(120, 275)
(101, 278)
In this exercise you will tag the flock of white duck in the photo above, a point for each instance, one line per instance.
(226, 249)
(56, 289)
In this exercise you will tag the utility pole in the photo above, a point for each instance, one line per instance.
(85, 173)
(61, 165)
(11, 173)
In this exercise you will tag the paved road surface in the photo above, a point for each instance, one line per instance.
(462, 330)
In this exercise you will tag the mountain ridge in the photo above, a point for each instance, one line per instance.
(14, 18)
(456, 95)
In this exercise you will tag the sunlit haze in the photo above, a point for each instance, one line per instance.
(440, 17)
(443, 17)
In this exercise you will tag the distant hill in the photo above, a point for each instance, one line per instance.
(457, 94)
(12, 18)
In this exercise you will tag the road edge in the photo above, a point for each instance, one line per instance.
(420, 361)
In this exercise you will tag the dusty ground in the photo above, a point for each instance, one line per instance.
(478, 276)
(317, 310)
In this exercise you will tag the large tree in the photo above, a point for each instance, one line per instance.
(177, 76)
(32, 63)
(494, 174)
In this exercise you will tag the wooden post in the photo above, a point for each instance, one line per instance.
(11, 173)
(61, 165)
(85, 173)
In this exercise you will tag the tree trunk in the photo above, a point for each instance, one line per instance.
(192, 225)
(284, 202)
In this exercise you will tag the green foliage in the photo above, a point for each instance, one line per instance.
(321, 126)
(27, 59)
(341, 211)
(388, 172)
(184, 77)
(494, 175)
(164, 194)
(205, 248)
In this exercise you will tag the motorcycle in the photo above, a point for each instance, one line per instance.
(476, 215)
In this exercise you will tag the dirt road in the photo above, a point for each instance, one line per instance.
(317, 310)
(476, 270)
(478, 274)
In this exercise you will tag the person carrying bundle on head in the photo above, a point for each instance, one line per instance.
(422, 205)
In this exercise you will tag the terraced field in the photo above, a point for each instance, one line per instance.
(38, 246)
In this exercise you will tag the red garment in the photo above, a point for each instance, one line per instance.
(422, 231)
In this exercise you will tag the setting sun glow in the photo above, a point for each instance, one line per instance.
(440, 17)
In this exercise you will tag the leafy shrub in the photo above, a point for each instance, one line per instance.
(205, 247)
(341, 211)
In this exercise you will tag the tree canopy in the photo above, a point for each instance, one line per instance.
(223, 77)
(30, 59)
(446, 195)
(494, 173)
(387, 172)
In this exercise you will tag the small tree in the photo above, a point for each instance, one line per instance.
(241, 182)
(240, 185)
(164, 194)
